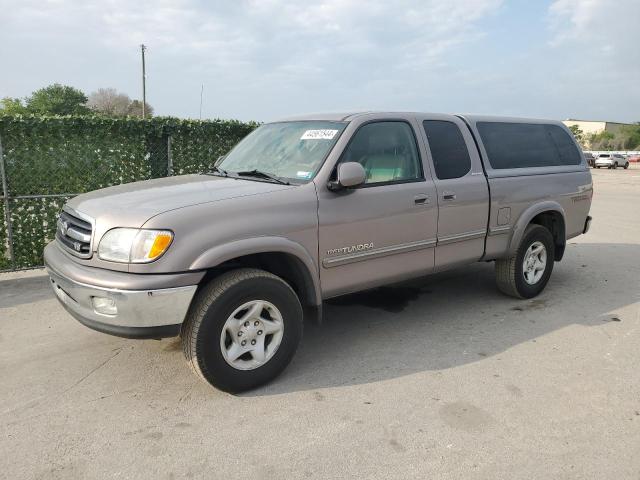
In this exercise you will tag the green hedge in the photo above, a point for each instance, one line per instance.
(195, 146)
(34, 225)
(76, 154)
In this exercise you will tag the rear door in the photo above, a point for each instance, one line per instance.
(462, 190)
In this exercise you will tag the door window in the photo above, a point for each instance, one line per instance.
(448, 149)
(387, 151)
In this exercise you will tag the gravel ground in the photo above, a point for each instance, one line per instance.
(442, 378)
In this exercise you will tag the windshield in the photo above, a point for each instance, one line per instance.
(290, 150)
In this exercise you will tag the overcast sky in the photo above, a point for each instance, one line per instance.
(264, 59)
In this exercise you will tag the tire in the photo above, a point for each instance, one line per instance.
(510, 273)
(626, 165)
(615, 165)
(219, 304)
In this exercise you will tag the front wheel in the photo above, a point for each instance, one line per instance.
(626, 165)
(525, 274)
(242, 330)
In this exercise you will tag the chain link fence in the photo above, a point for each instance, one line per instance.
(45, 162)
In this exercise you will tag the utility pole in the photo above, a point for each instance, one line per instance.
(201, 91)
(144, 83)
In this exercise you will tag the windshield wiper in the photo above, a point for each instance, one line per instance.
(218, 171)
(261, 174)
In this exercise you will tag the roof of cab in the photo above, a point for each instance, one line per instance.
(334, 117)
(346, 116)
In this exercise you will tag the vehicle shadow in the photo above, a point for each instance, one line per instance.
(454, 318)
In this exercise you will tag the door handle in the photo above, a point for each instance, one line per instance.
(448, 196)
(421, 199)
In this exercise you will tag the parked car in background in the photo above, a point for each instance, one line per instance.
(611, 160)
(590, 158)
(634, 158)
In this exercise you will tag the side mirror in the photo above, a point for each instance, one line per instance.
(350, 174)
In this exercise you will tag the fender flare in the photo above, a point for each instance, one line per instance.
(528, 215)
(268, 244)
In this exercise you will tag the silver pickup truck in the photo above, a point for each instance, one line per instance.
(311, 208)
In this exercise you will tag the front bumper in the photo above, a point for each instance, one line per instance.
(141, 313)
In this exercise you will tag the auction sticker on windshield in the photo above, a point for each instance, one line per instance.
(326, 134)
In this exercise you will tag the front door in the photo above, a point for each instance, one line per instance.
(384, 230)
(463, 193)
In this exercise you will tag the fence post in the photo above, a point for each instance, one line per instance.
(169, 157)
(7, 211)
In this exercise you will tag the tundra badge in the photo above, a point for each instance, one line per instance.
(353, 248)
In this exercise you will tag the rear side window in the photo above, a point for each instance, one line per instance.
(522, 145)
(448, 149)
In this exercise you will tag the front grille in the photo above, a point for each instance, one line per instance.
(74, 234)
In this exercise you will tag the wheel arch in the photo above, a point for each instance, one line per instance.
(282, 257)
(548, 214)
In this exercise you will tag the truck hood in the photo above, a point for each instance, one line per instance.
(132, 204)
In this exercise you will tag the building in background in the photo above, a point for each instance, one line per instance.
(590, 127)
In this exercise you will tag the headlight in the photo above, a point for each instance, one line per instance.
(133, 245)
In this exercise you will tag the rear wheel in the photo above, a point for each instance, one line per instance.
(615, 165)
(242, 330)
(525, 274)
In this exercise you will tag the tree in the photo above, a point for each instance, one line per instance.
(602, 140)
(57, 99)
(630, 137)
(135, 109)
(108, 101)
(12, 106)
(578, 133)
